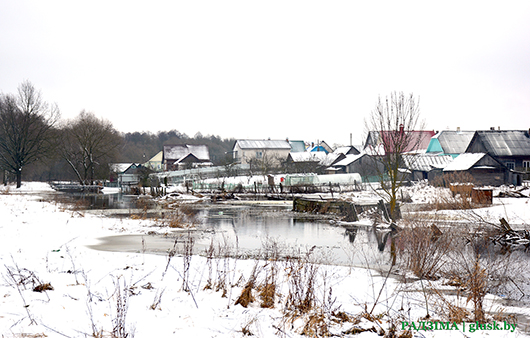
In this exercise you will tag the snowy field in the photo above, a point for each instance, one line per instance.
(89, 293)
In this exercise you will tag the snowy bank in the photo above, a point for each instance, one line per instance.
(89, 293)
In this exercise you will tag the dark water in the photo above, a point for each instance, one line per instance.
(245, 229)
(252, 229)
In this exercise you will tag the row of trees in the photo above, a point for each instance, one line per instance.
(36, 142)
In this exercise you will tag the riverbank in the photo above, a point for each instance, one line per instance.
(84, 292)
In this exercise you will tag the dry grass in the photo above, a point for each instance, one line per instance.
(316, 325)
(423, 248)
(460, 184)
(180, 216)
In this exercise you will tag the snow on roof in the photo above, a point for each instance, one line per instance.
(321, 157)
(120, 167)
(176, 152)
(464, 161)
(348, 160)
(346, 150)
(263, 144)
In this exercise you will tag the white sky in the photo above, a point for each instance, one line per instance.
(310, 70)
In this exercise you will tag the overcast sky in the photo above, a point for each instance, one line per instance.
(303, 70)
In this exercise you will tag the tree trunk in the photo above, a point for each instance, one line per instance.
(19, 177)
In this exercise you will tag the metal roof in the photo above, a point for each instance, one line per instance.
(263, 144)
(454, 142)
(415, 140)
(427, 162)
(504, 142)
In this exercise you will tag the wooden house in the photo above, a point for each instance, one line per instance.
(484, 169)
(425, 166)
(510, 147)
(369, 167)
(186, 156)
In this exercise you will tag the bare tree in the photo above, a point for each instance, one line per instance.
(26, 129)
(392, 131)
(89, 145)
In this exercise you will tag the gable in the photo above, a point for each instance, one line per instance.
(347, 150)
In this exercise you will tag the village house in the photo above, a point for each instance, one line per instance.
(312, 162)
(417, 141)
(186, 156)
(510, 147)
(297, 146)
(347, 150)
(249, 151)
(485, 170)
(450, 142)
(425, 166)
(155, 162)
(128, 174)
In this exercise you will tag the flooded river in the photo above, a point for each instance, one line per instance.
(246, 229)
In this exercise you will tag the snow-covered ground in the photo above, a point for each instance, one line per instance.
(109, 294)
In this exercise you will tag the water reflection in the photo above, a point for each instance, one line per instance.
(252, 229)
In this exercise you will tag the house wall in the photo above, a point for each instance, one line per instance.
(517, 161)
(245, 156)
(366, 166)
(493, 177)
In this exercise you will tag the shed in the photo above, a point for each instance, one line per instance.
(426, 166)
(484, 169)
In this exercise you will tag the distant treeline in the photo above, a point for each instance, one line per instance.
(136, 147)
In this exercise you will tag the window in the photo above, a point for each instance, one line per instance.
(259, 154)
(510, 165)
(526, 165)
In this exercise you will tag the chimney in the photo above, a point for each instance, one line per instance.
(458, 129)
(401, 128)
(492, 128)
(351, 143)
(499, 127)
